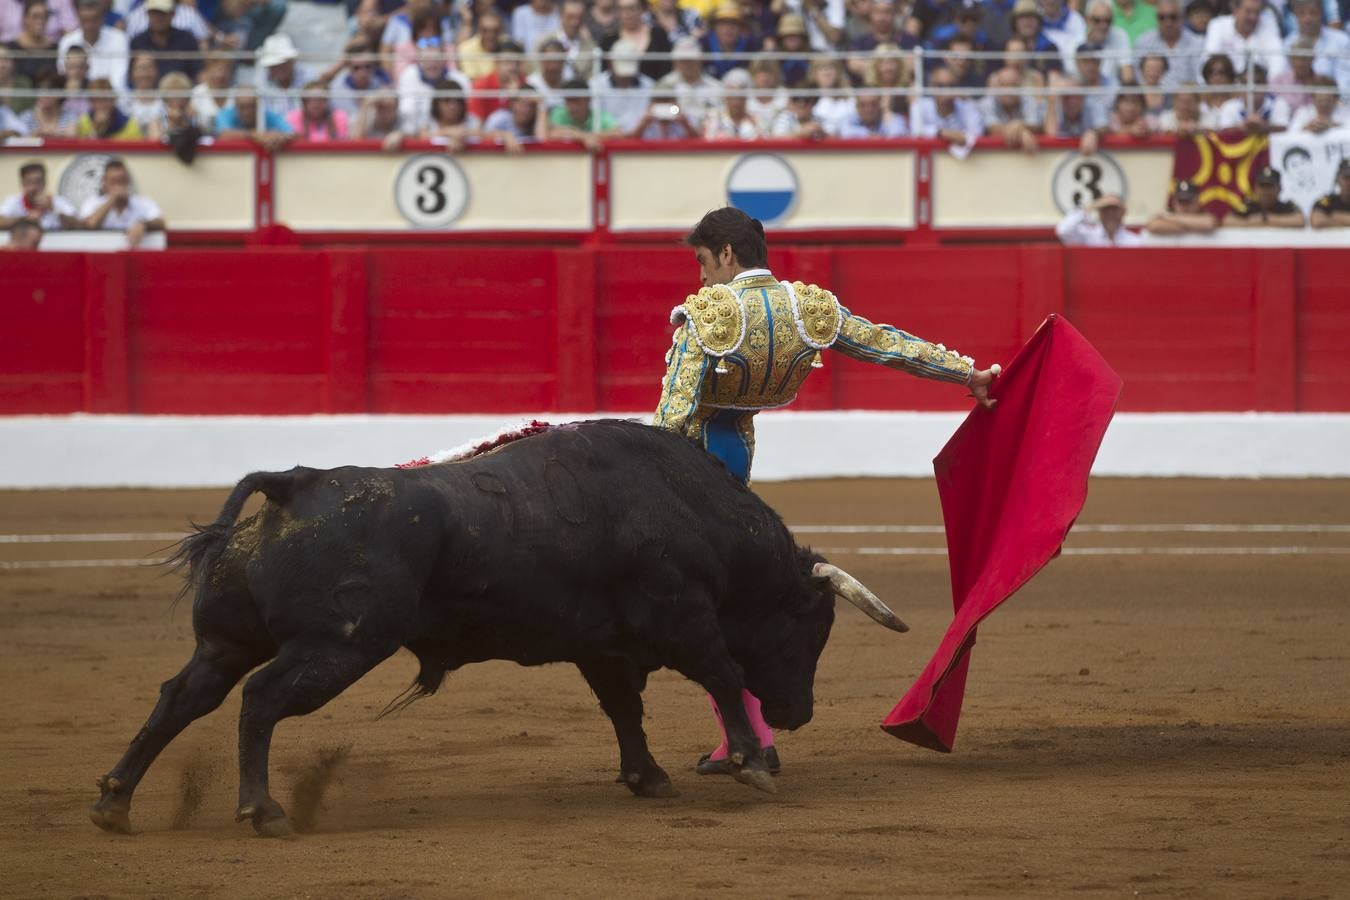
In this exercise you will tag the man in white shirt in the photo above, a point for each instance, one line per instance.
(35, 204)
(106, 47)
(871, 119)
(1247, 33)
(1100, 224)
(1065, 28)
(824, 19)
(118, 209)
(956, 120)
(1331, 45)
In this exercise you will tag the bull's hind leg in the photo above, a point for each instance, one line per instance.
(199, 688)
(618, 686)
(305, 675)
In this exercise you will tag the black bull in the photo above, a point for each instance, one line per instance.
(611, 545)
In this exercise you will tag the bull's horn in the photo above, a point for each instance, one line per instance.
(855, 592)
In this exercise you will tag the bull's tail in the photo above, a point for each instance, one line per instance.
(200, 550)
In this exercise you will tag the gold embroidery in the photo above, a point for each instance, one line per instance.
(718, 319)
(817, 313)
(888, 346)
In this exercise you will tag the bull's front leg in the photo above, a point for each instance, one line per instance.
(618, 686)
(699, 653)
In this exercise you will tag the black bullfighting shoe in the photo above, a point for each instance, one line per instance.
(709, 766)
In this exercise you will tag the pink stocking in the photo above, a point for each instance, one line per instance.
(757, 724)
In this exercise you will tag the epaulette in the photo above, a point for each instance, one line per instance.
(817, 313)
(718, 320)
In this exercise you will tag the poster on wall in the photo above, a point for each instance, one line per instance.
(1307, 163)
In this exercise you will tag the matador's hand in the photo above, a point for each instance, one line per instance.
(980, 382)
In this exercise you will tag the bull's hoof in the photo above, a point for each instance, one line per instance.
(757, 776)
(652, 784)
(268, 818)
(111, 812)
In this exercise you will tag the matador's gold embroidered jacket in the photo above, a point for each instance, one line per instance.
(749, 345)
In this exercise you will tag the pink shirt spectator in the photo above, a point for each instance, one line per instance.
(61, 20)
(318, 131)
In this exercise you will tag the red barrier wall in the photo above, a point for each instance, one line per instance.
(527, 329)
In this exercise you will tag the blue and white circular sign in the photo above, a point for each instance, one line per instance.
(763, 186)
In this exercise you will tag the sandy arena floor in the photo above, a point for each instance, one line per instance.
(1138, 723)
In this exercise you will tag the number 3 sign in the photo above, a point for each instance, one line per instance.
(1079, 179)
(431, 191)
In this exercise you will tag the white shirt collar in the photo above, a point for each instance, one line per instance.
(752, 273)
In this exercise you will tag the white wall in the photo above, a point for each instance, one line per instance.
(199, 451)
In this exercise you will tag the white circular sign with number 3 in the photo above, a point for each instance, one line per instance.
(431, 190)
(1079, 179)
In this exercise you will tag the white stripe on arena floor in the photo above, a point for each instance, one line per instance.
(831, 551)
(1177, 528)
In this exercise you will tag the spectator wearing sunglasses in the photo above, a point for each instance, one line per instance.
(1173, 43)
(358, 78)
(1116, 65)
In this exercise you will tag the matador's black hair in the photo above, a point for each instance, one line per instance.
(729, 225)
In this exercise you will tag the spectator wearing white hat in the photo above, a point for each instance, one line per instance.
(696, 92)
(185, 18)
(624, 93)
(732, 121)
(283, 75)
(106, 47)
(161, 37)
(1099, 224)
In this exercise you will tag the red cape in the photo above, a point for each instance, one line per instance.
(1012, 480)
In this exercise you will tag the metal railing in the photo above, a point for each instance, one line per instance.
(917, 62)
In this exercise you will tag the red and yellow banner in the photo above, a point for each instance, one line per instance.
(1221, 165)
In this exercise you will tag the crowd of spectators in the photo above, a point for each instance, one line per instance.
(512, 72)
